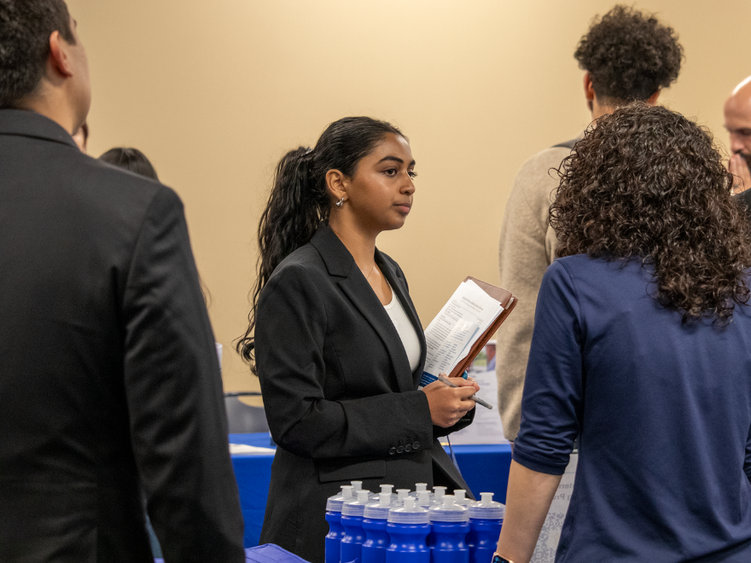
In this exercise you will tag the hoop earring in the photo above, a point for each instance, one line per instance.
(340, 203)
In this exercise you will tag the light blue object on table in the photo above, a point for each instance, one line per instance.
(271, 553)
(266, 553)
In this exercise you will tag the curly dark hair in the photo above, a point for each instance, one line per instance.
(629, 56)
(25, 29)
(646, 182)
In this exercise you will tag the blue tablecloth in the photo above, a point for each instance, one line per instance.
(484, 467)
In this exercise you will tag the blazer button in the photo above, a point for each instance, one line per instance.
(392, 450)
(415, 445)
(400, 450)
(408, 448)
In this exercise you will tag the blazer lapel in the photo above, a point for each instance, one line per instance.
(339, 263)
(399, 286)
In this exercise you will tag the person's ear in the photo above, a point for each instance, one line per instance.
(336, 185)
(58, 58)
(652, 100)
(589, 89)
(589, 92)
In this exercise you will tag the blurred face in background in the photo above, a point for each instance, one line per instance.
(738, 120)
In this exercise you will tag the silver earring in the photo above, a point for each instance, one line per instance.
(340, 203)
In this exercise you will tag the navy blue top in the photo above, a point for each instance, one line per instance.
(663, 411)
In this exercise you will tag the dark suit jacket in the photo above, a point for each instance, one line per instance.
(109, 382)
(340, 399)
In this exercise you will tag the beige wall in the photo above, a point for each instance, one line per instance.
(215, 91)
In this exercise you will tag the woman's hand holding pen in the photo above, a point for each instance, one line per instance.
(449, 404)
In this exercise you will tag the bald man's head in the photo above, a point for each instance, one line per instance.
(738, 119)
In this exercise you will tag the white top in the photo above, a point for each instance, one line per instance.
(406, 331)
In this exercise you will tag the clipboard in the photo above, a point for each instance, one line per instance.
(508, 301)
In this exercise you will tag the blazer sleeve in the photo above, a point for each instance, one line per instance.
(174, 395)
(292, 350)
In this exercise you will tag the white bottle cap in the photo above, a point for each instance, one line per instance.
(356, 507)
(378, 510)
(334, 503)
(486, 509)
(409, 513)
(449, 511)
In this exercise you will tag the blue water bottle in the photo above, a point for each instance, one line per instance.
(485, 522)
(354, 535)
(408, 526)
(333, 517)
(374, 522)
(449, 526)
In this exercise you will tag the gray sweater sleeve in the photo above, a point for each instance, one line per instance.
(527, 247)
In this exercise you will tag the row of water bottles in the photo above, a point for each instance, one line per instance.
(411, 527)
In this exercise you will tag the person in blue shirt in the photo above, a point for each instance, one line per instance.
(642, 350)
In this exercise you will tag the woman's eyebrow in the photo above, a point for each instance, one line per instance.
(396, 159)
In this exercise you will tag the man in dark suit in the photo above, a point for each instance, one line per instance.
(109, 384)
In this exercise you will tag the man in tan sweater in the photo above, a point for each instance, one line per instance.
(626, 56)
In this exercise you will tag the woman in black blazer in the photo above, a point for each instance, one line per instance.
(338, 346)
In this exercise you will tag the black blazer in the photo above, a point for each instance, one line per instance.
(109, 382)
(340, 399)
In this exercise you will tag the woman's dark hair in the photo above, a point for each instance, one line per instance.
(130, 159)
(25, 29)
(629, 56)
(299, 199)
(647, 182)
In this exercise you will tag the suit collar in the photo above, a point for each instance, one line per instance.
(31, 124)
(340, 263)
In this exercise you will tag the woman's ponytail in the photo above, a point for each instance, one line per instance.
(292, 213)
(296, 205)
